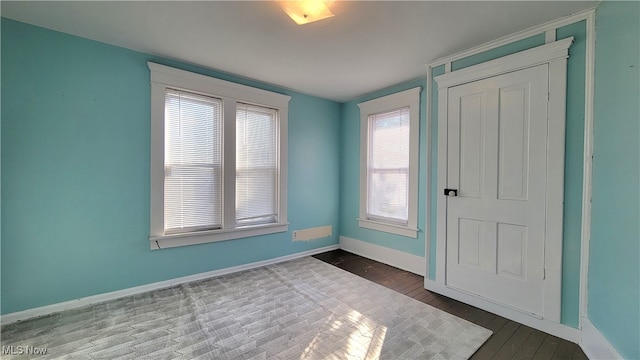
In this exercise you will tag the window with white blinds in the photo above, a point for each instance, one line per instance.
(218, 159)
(389, 153)
(388, 166)
(193, 162)
(256, 165)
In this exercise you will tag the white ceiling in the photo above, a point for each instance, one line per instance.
(365, 47)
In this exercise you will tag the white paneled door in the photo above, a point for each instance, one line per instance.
(496, 187)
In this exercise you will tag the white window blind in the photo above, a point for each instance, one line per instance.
(193, 159)
(388, 166)
(256, 165)
(218, 159)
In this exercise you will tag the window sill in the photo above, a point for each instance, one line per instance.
(202, 237)
(389, 228)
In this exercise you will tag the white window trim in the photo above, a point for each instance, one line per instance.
(410, 98)
(163, 77)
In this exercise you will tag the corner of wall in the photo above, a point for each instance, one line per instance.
(594, 344)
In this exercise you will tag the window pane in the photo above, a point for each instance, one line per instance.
(388, 166)
(256, 165)
(388, 195)
(192, 185)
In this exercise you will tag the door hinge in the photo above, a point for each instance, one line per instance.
(548, 96)
(544, 274)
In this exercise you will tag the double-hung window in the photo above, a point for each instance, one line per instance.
(256, 165)
(218, 159)
(389, 135)
(192, 162)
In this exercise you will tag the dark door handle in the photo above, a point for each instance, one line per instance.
(451, 192)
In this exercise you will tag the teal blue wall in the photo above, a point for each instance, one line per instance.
(498, 52)
(614, 251)
(75, 165)
(574, 149)
(350, 176)
(573, 172)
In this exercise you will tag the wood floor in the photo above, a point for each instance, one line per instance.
(510, 340)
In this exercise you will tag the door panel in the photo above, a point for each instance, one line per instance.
(512, 250)
(497, 143)
(469, 249)
(513, 146)
(471, 144)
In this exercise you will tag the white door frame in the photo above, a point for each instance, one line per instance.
(554, 54)
(549, 29)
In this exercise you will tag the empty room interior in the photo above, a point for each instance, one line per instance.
(320, 180)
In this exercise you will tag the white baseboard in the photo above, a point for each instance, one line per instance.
(550, 327)
(594, 344)
(89, 300)
(399, 259)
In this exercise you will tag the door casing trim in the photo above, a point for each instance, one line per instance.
(554, 54)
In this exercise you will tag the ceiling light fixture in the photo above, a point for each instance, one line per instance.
(306, 11)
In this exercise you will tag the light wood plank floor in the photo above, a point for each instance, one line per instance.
(510, 340)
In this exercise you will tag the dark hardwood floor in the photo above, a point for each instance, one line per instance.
(510, 340)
